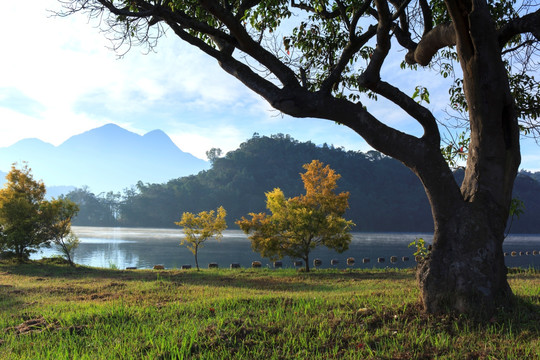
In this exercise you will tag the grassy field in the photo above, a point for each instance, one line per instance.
(52, 311)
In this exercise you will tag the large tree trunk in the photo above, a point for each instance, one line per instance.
(465, 271)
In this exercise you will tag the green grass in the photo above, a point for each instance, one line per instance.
(52, 311)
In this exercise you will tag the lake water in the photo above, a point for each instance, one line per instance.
(144, 248)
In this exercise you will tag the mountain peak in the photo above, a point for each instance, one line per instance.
(157, 135)
(105, 158)
(109, 126)
(156, 132)
(108, 130)
(31, 142)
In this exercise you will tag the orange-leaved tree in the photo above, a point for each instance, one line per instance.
(298, 225)
(199, 228)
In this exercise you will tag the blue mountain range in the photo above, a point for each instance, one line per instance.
(108, 158)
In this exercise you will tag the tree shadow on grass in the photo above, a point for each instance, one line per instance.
(81, 283)
(523, 317)
(260, 279)
(9, 297)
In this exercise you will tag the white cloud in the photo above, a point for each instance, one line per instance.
(198, 140)
(64, 70)
(64, 65)
(37, 127)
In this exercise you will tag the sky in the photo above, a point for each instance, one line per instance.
(59, 77)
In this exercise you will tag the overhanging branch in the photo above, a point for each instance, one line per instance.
(246, 43)
(529, 23)
(411, 107)
(234, 67)
(444, 35)
(440, 36)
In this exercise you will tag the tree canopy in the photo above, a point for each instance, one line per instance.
(27, 219)
(298, 225)
(310, 50)
(95, 210)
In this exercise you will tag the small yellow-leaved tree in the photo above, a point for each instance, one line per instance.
(198, 228)
(300, 224)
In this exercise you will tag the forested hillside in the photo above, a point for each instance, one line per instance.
(384, 195)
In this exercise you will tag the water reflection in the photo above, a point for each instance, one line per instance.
(143, 248)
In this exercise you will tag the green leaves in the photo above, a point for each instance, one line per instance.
(526, 93)
(421, 93)
(198, 228)
(27, 220)
(456, 150)
(422, 252)
(457, 96)
(517, 207)
(268, 15)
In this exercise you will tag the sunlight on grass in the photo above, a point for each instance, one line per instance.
(88, 313)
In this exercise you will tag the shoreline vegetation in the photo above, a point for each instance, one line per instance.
(53, 311)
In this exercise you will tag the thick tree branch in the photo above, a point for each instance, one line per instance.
(459, 11)
(347, 54)
(414, 109)
(529, 23)
(371, 78)
(159, 12)
(404, 38)
(444, 35)
(427, 15)
(400, 10)
(403, 20)
(186, 21)
(249, 46)
(356, 17)
(433, 39)
(404, 147)
(402, 31)
(440, 36)
(234, 67)
(325, 14)
(244, 6)
(238, 36)
(372, 73)
(343, 14)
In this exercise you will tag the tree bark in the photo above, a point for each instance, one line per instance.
(465, 271)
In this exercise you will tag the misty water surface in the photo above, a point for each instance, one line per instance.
(144, 248)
